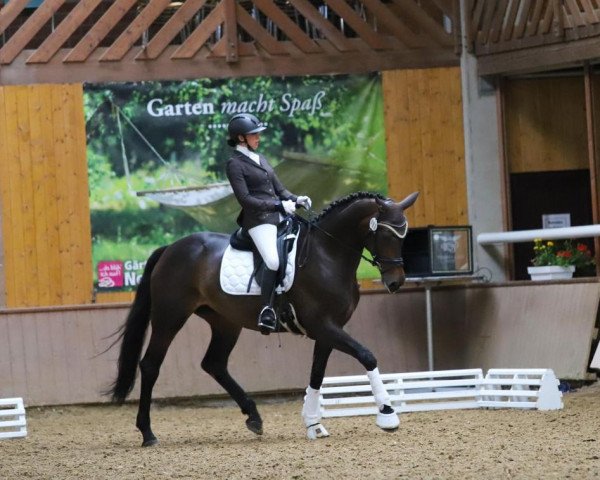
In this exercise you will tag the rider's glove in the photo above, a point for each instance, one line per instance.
(289, 207)
(304, 201)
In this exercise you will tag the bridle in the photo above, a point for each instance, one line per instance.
(398, 230)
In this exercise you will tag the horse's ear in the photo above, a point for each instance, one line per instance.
(408, 201)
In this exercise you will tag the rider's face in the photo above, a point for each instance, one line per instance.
(252, 140)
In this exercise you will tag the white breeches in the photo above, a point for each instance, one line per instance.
(265, 238)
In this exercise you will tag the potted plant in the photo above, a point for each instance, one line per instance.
(553, 261)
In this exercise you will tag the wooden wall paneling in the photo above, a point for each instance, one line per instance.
(52, 181)
(63, 187)
(80, 246)
(4, 201)
(30, 253)
(424, 142)
(114, 297)
(39, 165)
(544, 134)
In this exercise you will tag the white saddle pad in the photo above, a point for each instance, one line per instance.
(237, 267)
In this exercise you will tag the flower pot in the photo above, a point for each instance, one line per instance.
(551, 272)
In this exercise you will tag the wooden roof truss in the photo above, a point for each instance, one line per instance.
(90, 40)
(519, 35)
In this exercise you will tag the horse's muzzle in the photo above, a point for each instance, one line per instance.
(393, 285)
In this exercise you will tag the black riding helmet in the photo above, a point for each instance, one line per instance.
(243, 124)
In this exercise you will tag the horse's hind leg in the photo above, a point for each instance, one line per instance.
(224, 338)
(160, 340)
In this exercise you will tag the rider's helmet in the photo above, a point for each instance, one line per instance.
(243, 124)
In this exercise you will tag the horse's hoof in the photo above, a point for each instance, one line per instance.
(255, 426)
(387, 419)
(150, 443)
(316, 431)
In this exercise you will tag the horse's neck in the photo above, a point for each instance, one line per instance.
(348, 223)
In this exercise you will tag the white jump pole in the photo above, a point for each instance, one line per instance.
(542, 233)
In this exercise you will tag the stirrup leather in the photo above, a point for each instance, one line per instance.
(267, 318)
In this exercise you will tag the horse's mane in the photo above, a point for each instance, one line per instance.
(346, 200)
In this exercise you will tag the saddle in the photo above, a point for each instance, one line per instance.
(287, 232)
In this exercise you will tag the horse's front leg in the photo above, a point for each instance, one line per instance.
(311, 411)
(334, 335)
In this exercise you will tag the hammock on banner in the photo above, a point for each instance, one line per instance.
(172, 197)
(188, 196)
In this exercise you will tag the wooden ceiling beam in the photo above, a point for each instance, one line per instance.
(287, 26)
(534, 21)
(260, 35)
(496, 28)
(322, 24)
(231, 30)
(362, 28)
(62, 33)
(431, 27)
(201, 34)
(174, 25)
(27, 31)
(10, 11)
(96, 34)
(133, 32)
(163, 68)
(396, 27)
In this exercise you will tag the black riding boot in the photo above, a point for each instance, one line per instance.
(267, 320)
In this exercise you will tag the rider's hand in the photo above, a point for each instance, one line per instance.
(289, 206)
(304, 201)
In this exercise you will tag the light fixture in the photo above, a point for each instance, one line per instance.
(175, 4)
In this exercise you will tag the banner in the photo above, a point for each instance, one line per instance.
(157, 153)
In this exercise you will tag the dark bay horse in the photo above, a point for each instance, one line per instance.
(183, 279)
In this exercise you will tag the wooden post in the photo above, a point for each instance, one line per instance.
(231, 36)
(509, 265)
(592, 156)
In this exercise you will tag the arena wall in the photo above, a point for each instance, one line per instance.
(54, 356)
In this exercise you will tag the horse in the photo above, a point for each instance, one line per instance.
(182, 279)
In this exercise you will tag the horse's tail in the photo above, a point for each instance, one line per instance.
(133, 332)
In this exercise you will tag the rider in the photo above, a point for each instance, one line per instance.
(264, 201)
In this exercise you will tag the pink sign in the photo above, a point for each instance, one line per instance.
(110, 274)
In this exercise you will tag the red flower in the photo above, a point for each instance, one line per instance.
(581, 247)
(564, 254)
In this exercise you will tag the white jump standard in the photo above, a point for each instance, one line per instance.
(12, 418)
(441, 390)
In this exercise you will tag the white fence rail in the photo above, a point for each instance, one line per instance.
(544, 234)
(12, 418)
(444, 390)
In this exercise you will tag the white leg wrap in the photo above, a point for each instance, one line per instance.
(386, 421)
(379, 392)
(311, 411)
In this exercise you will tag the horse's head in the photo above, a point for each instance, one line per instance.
(387, 232)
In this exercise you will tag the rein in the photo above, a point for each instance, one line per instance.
(377, 260)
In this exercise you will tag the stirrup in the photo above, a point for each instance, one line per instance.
(267, 319)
